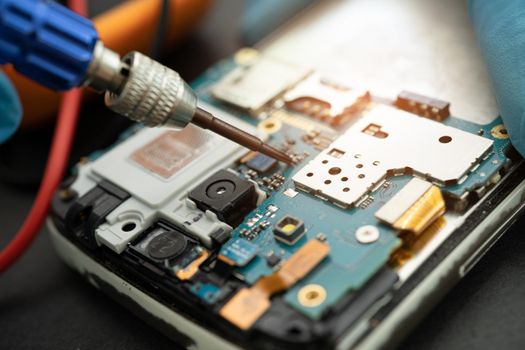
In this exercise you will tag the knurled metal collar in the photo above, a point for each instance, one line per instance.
(153, 94)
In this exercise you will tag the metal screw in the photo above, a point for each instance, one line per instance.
(367, 234)
(311, 295)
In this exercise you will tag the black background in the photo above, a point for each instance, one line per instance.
(45, 305)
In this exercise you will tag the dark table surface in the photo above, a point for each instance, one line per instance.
(45, 305)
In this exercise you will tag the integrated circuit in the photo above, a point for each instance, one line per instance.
(272, 259)
(424, 106)
(238, 252)
(259, 162)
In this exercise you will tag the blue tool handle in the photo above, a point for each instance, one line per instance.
(46, 42)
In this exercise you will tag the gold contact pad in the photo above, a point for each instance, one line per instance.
(249, 304)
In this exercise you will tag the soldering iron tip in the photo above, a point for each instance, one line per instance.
(207, 121)
(276, 154)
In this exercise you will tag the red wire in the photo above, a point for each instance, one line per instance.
(55, 167)
(79, 6)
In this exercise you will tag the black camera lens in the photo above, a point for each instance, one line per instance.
(227, 195)
(220, 189)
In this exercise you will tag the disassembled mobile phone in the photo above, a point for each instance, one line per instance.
(388, 203)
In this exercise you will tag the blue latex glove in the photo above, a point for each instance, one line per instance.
(10, 109)
(500, 28)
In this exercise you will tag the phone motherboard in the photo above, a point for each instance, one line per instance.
(257, 249)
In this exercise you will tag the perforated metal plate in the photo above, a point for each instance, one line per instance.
(390, 141)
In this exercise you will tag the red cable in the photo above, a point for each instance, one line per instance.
(55, 167)
(79, 6)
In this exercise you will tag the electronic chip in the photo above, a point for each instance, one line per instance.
(289, 230)
(272, 259)
(260, 162)
(330, 102)
(424, 106)
(238, 252)
(290, 192)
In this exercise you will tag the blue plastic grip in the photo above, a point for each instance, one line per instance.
(46, 42)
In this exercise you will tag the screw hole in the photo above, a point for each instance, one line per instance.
(82, 216)
(324, 161)
(346, 189)
(334, 171)
(361, 176)
(127, 227)
(327, 182)
(359, 166)
(445, 139)
(344, 178)
(294, 330)
(310, 174)
(312, 295)
(85, 213)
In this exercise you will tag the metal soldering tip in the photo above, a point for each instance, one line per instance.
(208, 121)
(275, 153)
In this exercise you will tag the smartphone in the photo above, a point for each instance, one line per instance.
(403, 177)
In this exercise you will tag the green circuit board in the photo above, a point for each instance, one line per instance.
(350, 263)
(238, 237)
